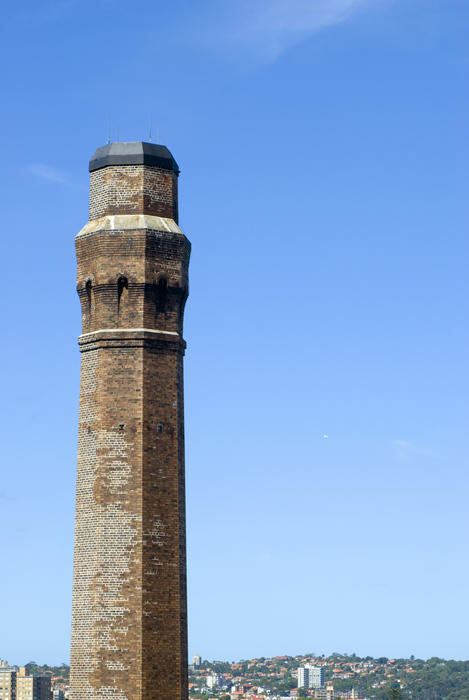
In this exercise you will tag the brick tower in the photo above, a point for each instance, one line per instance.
(129, 624)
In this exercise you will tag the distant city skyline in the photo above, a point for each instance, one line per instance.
(337, 677)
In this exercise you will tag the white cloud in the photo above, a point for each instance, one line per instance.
(266, 28)
(46, 172)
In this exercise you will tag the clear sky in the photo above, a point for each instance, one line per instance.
(324, 154)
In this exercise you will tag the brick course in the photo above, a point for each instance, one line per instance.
(133, 189)
(129, 623)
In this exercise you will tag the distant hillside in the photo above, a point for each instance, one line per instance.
(34, 669)
(434, 679)
(416, 679)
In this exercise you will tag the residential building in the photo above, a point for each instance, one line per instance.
(303, 677)
(212, 681)
(7, 682)
(32, 687)
(325, 693)
(310, 676)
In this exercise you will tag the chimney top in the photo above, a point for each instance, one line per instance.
(133, 153)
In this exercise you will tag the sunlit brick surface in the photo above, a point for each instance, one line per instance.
(133, 189)
(129, 627)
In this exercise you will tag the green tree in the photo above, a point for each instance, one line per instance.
(32, 668)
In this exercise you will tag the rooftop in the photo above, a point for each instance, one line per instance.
(133, 153)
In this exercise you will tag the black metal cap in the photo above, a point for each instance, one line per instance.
(133, 153)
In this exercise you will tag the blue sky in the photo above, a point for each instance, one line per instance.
(323, 148)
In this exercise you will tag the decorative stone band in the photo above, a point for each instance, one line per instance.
(168, 341)
(130, 222)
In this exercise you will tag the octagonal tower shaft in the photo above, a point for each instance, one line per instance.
(129, 620)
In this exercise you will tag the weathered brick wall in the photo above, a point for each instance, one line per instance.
(143, 258)
(129, 626)
(133, 189)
